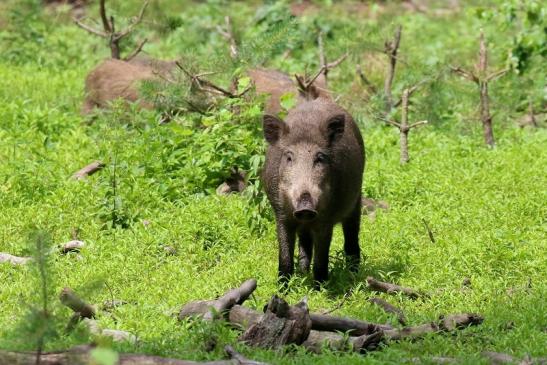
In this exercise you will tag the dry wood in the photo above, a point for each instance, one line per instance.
(109, 30)
(80, 355)
(88, 170)
(280, 325)
(429, 232)
(389, 308)
(115, 335)
(322, 322)
(69, 298)
(391, 48)
(211, 309)
(14, 260)
(371, 88)
(317, 340)
(392, 288)
(228, 34)
(306, 85)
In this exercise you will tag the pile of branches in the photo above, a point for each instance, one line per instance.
(283, 324)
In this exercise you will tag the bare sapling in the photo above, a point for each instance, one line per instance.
(114, 36)
(404, 126)
(481, 77)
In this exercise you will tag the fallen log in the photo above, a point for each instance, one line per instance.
(14, 260)
(245, 317)
(211, 309)
(389, 308)
(280, 325)
(390, 288)
(323, 322)
(69, 298)
(81, 355)
(317, 340)
(115, 335)
(88, 170)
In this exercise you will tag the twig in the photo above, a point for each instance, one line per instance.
(339, 305)
(429, 232)
(229, 35)
(392, 288)
(371, 88)
(136, 51)
(389, 308)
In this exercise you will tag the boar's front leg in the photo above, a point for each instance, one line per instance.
(286, 236)
(305, 244)
(351, 237)
(321, 245)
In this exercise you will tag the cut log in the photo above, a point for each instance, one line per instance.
(14, 260)
(88, 170)
(280, 325)
(392, 288)
(389, 308)
(81, 355)
(211, 309)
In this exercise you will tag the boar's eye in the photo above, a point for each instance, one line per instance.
(321, 158)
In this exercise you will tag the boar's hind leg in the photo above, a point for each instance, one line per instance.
(305, 244)
(286, 236)
(321, 243)
(351, 237)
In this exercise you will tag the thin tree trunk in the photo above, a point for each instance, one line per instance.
(404, 129)
(391, 49)
(486, 118)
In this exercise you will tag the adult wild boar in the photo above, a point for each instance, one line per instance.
(312, 177)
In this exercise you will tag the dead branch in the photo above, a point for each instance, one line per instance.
(115, 335)
(80, 355)
(281, 324)
(371, 88)
(389, 308)
(228, 34)
(306, 85)
(390, 49)
(88, 170)
(318, 340)
(465, 74)
(109, 30)
(392, 288)
(69, 298)
(209, 87)
(14, 260)
(136, 51)
(211, 309)
(322, 322)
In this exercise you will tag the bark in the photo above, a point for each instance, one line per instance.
(72, 246)
(389, 308)
(14, 260)
(392, 288)
(317, 340)
(88, 170)
(498, 358)
(211, 309)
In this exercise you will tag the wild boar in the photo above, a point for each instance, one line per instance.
(312, 176)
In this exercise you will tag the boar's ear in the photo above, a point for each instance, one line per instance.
(273, 128)
(335, 127)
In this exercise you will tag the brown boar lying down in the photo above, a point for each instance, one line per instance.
(113, 79)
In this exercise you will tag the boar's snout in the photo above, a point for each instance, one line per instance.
(305, 209)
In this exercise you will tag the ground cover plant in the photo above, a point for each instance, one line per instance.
(465, 222)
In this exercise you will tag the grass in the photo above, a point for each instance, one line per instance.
(486, 208)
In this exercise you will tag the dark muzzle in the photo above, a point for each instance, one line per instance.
(305, 210)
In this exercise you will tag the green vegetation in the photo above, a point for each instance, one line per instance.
(486, 207)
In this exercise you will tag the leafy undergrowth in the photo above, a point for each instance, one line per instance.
(485, 207)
